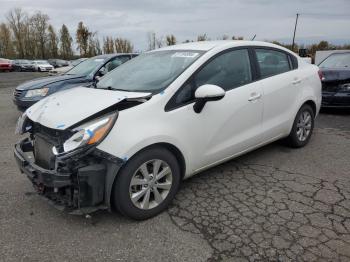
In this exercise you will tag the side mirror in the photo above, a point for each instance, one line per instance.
(97, 78)
(206, 93)
(102, 71)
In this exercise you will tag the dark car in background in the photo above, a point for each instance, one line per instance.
(21, 65)
(5, 65)
(83, 74)
(335, 71)
(58, 62)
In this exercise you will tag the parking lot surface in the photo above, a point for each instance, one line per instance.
(275, 203)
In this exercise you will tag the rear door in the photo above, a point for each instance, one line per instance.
(280, 84)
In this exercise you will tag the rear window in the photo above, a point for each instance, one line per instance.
(272, 62)
(336, 61)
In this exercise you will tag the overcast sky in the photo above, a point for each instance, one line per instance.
(132, 19)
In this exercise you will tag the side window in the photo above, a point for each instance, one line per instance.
(116, 62)
(228, 70)
(272, 62)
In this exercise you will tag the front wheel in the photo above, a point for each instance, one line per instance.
(147, 183)
(302, 127)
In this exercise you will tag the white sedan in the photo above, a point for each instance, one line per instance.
(129, 140)
(42, 66)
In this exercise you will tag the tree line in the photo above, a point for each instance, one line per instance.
(32, 36)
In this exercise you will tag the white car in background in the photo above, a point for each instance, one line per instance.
(64, 69)
(130, 139)
(42, 65)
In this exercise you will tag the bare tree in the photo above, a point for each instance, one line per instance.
(39, 24)
(6, 46)
(225, 37)
(16, 19)
(82, 37)
(170, 40)
(202, 37)
(66, 41)
(94, 45)
(123, 45)
(52, 43)
(108, 45)
(237, 38)
(159, 42)
(151, 38)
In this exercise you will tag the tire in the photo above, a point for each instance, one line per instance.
(302, 128)
(123, 190)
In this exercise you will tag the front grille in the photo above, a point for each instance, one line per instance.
(18, 93)
(330, 86)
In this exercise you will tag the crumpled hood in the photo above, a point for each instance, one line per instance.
(44, 81)
(64, 109)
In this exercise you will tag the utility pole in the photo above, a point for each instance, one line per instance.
(295, 29)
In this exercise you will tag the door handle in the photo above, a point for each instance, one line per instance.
(296, 81)
(254, 96)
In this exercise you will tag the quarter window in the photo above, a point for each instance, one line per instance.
(272, 62)
(229, 70)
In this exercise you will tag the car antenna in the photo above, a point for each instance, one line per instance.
(253, 37)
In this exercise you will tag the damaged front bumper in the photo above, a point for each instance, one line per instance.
(79, 183)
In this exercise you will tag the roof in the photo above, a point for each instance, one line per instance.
(208, 45)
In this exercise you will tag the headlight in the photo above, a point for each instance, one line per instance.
(345, 87)
(89, 133)
(37, 92)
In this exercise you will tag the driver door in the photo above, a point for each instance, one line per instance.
(225, 127)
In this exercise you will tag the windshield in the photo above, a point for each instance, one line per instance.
(336, 61)
(41, 62)
(86, 67)
(149, 72)
(76, 62)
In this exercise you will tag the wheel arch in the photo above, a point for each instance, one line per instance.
(172, 148)
(312, 104)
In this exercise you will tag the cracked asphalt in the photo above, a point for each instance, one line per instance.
(273, 204)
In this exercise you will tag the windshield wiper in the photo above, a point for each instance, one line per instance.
(104, 87)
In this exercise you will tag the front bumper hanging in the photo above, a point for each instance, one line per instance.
(79, 184)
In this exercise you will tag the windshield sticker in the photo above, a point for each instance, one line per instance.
(185, 54)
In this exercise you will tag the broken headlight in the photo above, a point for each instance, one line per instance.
(89, 133)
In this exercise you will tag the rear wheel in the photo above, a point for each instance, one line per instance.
(302, 127)
(147, 184)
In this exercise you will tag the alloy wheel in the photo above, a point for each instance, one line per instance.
(304, 126)
(150, 184)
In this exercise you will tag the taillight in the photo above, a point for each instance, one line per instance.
(320, 74)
